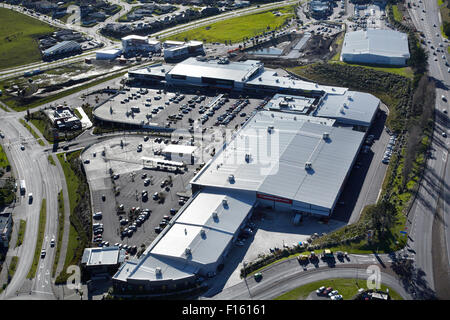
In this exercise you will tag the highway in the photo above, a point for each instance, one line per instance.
(433, 184)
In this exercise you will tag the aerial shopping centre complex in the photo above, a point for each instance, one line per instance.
(295, 156)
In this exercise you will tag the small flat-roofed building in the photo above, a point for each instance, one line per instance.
(102, 259)
(376, 46)
(109, 54)
(290, 103)
(139, 44)
(179, 152)
(172, 43)
(63, 118)
(352, 108)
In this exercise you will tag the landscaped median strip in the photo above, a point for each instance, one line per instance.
(40, 239)
(22, 228)
(60, 231)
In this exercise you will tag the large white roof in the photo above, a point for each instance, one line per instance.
(277, 160)
(354, 108)
(236, 71)
(206, 246)
(380, 42)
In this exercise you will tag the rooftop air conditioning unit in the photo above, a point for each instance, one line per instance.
(260, 79)
(247, 157)
(187, 251)
(203, 233)
(215, 215)
(308, 165)
(231, 178)
(225, 201)
(270, 128)
(326, 136)
(158, 271)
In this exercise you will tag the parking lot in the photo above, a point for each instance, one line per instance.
(271, 229)
(177, 108)
(118, 178)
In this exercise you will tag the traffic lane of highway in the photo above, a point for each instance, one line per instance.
(423, 214)
(52, 183)
(27, 169)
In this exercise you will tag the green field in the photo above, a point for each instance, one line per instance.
(236, 29)
(348, 288)
(40, 239)
(18, 38)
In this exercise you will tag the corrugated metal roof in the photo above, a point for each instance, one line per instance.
(381, 42)
(268, 78)
(277, 165)
(62, 47)
(355, 108)
(236, 71)
(206, 212)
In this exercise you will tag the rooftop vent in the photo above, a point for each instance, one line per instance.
(270, 129)
(215, 215)
(231, 178)
(225, 202)
(342, 110)
(158, 271)
(203, 233)
(326, 136)
(260, 79)
(163, 70)
(308, 165)
(247, 157)
(187, 251)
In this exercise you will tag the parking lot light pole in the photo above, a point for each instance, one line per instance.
(244, 263)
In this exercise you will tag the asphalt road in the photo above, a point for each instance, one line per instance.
(43, 181)
(289, 274)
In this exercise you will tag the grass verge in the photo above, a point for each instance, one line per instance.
(40, 239)
(3, 159)
(348, 288)
(26, 125)
(78, 196)
(12, 267)
(51, 160)
(60, 231)
(21, 235)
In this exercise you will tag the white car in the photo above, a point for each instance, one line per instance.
(333, 293)
(444, 134)
(336, 297)
(52, 242)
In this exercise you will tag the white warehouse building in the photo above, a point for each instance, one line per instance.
(376, 46)
(309, 162)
